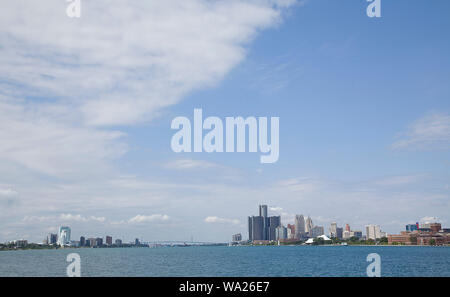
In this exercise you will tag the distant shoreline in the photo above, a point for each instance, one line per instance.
(329, 245)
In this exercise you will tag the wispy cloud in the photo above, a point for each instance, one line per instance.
(149, 218)
(65, 217)
(214, 219)
(8, 193)
(429, 132)
(111, 71)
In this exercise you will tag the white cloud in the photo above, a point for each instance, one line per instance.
(8, 193)
(122, 62)
(34, 137)
(429, 132)
(149, 218)
(65, 217)
(276, 209)
(214, 219)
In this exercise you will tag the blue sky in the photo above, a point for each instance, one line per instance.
(363, 104)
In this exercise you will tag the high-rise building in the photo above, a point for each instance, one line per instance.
(263, 211)
(82, 241)
(374, 232)
(136, 241)
(281, 233)
(308, 225)
(92, 242)
(411, 227)
(52, 238)
(256, 228)
(299, 226)
(118, 242)
(108, 240)
(333, 229)
(356, 234)
(339, 232)
(291, 231)
(274, 223)
(236, 237)
(64, 235)
(347, 227)
(317, 231)
(99, 241)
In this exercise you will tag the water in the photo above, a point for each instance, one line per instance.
(230, 261)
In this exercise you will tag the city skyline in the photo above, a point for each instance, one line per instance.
(268, 230)
(86, 107)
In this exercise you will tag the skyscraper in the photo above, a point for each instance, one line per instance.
(263, 211)
(82, 241)
(316, 231)
(281, 233)
(373, 232)
(236, 237)
(299, 226)
(64, 235)
(347, 227)
(274, 223)
(52, 238)
(108, 240)
(308, 225)
(256, 228)
(333, 229)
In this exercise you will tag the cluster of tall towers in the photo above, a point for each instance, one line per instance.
(263, 227)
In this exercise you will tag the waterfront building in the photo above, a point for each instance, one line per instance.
(20, 243)
(347, 227)
(274, 223)
(281, 233)
(339, 232)
(92, 242)
(99, 241)
(291, 231)
(136, 241)
(299, 226)
(52, 238)
(333, 229)
(64, 235)
(108, 240)
(263, 227)
(317, 231)
(263, 211)
(256, 228)
(412, 227)
(308, 225)
(357, 233)
(346, 234)
(374, 232)
(236, 237)
(118, 242)
(82, 241)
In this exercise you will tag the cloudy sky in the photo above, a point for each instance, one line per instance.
(86, 107)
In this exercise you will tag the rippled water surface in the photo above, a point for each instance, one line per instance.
(230, 261)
